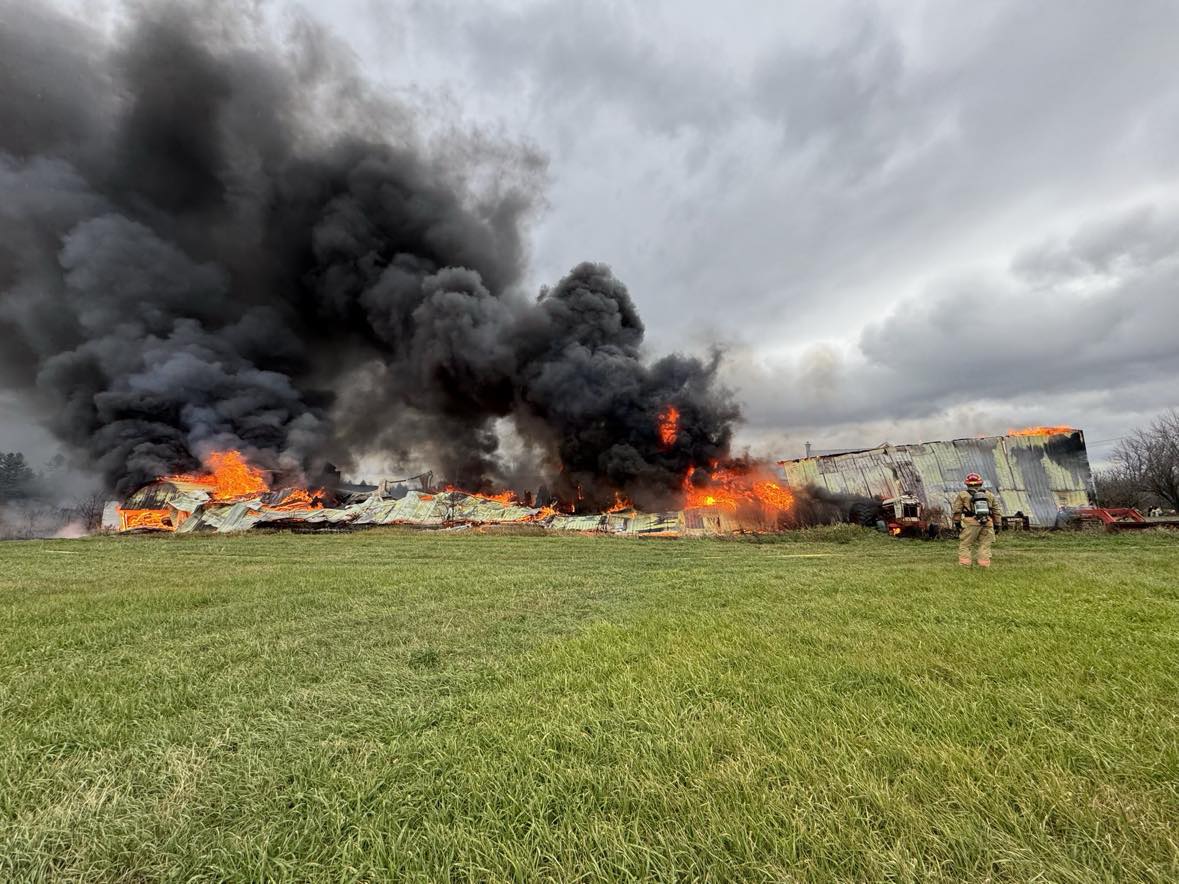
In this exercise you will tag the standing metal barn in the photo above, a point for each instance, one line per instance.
(1033, 474)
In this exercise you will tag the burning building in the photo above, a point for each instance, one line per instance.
(1035, 471)
(169, 503)
(231, 496)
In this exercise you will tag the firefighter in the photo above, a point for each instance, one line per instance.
(976, 512)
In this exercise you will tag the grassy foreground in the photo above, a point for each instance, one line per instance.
(391, 705)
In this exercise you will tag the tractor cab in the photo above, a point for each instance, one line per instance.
(904, 516)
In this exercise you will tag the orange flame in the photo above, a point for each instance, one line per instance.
(157, 520)
(228, 477)
(297, 499)
(737, 486)
(669, 426)
(620, 503)
(507, 498)
(1042, 431)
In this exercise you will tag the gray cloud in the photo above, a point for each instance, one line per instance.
(557, 57)
(1110, 320)
(849, 105)
(1082, 328)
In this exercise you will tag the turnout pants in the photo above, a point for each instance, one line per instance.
(972, 533)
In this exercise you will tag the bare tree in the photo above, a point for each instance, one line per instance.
(1149, 458)
(1117, 487)
(88, 510)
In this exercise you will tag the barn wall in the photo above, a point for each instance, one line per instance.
(1035, 475)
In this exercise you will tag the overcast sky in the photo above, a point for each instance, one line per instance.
(902, 220)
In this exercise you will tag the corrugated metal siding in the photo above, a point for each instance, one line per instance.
(1035, 475)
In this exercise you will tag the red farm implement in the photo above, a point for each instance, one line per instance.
(1113, 518)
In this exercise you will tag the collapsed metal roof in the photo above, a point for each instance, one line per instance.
(1033, 475)
(190, 513)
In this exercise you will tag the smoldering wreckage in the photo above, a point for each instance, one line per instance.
(226, 261)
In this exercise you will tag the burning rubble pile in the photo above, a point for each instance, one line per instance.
(229, 492)
(231, 495)
(234, 496)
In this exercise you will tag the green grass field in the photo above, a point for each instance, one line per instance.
(830, 706)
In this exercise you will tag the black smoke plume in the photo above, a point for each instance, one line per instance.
(210, 240)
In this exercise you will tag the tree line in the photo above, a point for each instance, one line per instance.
(32, 506)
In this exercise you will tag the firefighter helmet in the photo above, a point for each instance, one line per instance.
(973, 479)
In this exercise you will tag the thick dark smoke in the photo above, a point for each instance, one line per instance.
(815, 505)
(208, 241)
